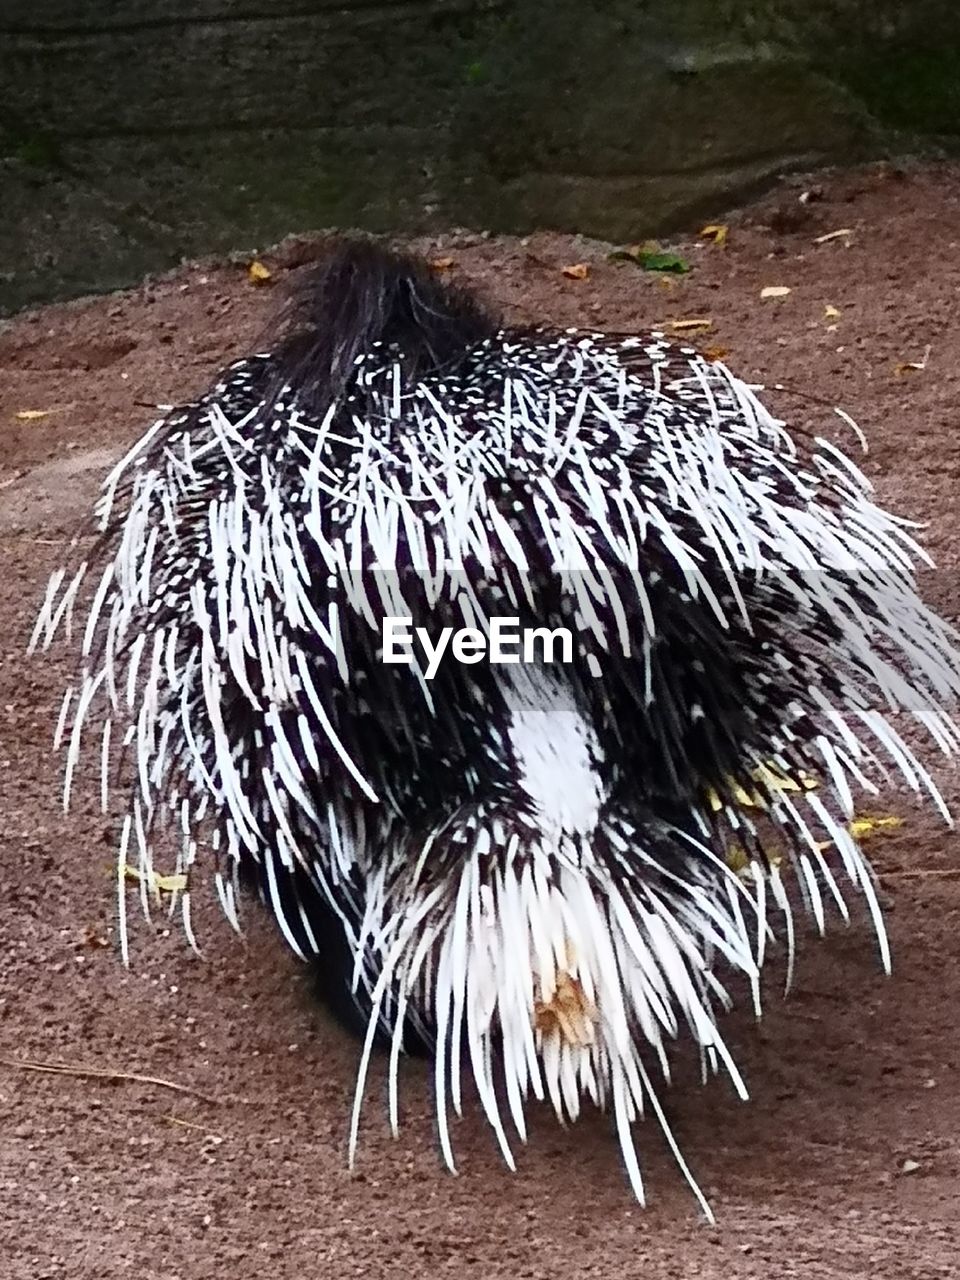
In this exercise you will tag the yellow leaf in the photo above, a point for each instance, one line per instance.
(861, 828)
(737, 859)
(715, 231)
(740, 796)
(768, 777)
(774, 291)
(579, 271)
(157, 882)
(443, 264)
(776, 781)
(171, 884)
(31, 415)
(258, 273)
(773, 779)
(741, 865)
(745, 798)
(831, 313)
(691, 326)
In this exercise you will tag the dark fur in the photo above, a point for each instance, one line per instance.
(360, 294)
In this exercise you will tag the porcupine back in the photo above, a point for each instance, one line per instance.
(676, 724)
(396, 452)
(365, 309)
(361, 304)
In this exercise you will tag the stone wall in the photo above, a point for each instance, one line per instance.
(136, 132)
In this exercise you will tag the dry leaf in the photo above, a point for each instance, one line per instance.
(715, 231)
(860, 828)
(774, 291)
(737, 859)
(834, 235)
(170, 884)
(176, 883)
(91, 937)
(771, 779)
(569, 1014)
(774, 780)
(579, 271)
(741, 866)
(715, 353)
(831, 313)
(443, 264)
(31, 415)
(914, 364)
(258, 273)
(691, 326)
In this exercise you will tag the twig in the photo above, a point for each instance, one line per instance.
(188, 1124)
(101, 1073)
(919, 872)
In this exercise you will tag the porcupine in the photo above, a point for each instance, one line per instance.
(519, 868)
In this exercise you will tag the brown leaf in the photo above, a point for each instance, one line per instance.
(443, 264)
(579, 271)
(908, 365)
(716, 353)
(93, 938)
(569, 1014)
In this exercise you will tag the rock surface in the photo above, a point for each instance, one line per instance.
(136, 134)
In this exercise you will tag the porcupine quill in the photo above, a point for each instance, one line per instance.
(523, 869)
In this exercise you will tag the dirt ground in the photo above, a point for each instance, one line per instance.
(846, 1161)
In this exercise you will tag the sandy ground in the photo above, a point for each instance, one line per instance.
(244, 1174)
